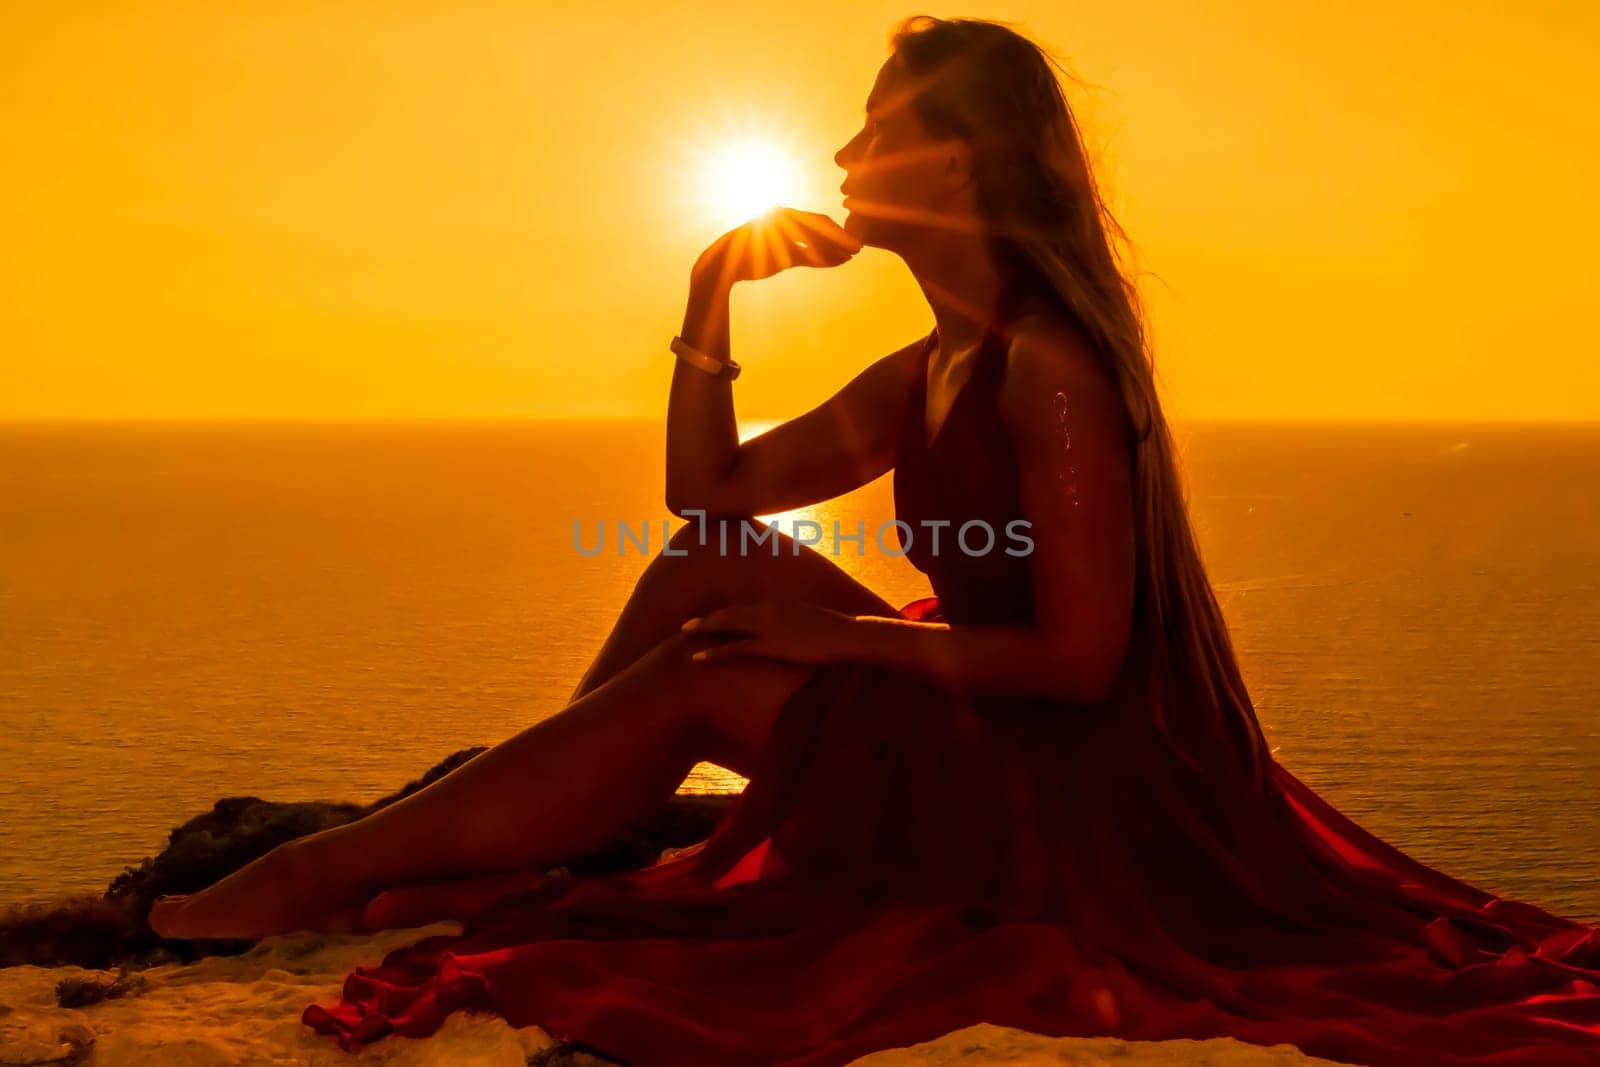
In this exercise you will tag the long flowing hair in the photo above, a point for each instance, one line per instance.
(1051, 233)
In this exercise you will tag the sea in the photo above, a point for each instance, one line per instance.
(323, 610)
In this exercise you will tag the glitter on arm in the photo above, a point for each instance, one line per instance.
(1068, 478)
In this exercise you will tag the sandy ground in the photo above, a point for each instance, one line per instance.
(246, 1010)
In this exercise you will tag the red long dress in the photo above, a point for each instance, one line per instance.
(904, 863)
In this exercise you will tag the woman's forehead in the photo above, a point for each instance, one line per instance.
(884, 96)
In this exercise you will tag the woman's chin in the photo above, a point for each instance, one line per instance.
(855, 225)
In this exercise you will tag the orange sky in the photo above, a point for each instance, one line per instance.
(353, 209)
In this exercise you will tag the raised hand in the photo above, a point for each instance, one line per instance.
(775, 240)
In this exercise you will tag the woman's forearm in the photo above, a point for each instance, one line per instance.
(1016, 660)
(702, 433)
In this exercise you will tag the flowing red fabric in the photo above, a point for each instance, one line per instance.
(905, 862)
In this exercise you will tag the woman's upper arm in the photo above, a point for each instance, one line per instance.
(1069, 429)
(839, 445)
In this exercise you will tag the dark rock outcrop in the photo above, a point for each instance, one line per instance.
(111, 929)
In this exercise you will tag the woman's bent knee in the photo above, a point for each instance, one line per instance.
(728, 705)
(672, 660)
(695, 554)
(738, 537)
(705, 567)
(671, 665)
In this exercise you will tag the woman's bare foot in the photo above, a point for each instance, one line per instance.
(287, 889)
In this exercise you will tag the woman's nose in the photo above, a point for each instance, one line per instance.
(841, 158)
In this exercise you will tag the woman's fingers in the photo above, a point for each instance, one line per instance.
(825, 227)
(803, 244)
(813, 251)
(780, 238)
(744, 646)
(735, 622)
(733, 618)
(812, 239)
(820, 229)
(829, 225)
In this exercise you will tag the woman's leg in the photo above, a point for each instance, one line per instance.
(559, 788)
(690, 580)
(697, 577)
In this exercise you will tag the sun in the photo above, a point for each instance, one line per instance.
(737, 155)
(745, 177)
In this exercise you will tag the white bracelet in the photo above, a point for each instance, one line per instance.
(710, 364)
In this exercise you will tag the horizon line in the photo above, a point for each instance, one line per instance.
(1264, 420)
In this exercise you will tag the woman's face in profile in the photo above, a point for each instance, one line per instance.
(889, 166)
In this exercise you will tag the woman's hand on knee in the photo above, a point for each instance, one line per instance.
(791, 631)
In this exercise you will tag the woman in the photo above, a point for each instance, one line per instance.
(1039, 798)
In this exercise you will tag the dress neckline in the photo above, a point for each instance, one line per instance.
(979, 357)
(1007, 305)
(922, 397)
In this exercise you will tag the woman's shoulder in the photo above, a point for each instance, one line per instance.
(1046, 332)
(1053, 372)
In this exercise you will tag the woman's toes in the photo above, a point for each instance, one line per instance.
(345, 921)
(397, 909)
(386, 911)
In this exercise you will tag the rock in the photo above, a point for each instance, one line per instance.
(81, 992)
